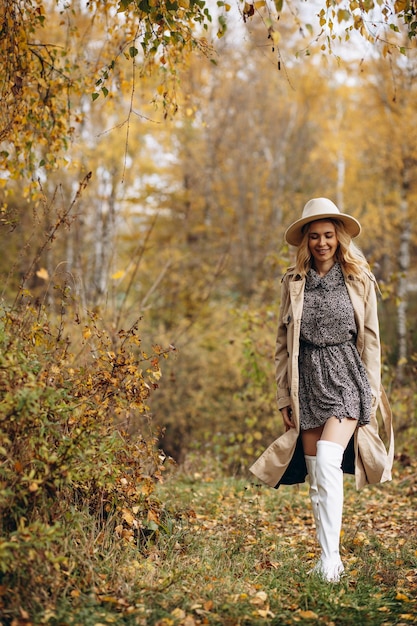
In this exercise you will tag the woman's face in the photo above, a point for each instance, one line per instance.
(322, 241)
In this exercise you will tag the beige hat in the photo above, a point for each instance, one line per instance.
(320, 209)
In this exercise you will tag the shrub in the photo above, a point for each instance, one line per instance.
(66, 450)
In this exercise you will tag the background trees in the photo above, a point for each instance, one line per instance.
(182, 219)
(148, 171)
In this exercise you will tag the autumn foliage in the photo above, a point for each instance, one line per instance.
(67, 455)
(151, 155)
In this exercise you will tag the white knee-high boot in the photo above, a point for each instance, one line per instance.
(313, 492)
(330, 496)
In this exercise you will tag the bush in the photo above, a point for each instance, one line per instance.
(66, 453)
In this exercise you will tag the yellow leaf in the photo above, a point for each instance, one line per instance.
(400, 5)
(275, 36)
(43, 274)
(259, 4)
(147, 488)
(307, 614)
(262, 596)
(360, 539)
(86, 332)
(248, 9)
(118, 275)
(110, 600)
(402, 597)
(152, 516)
(157, 374)
(128, 517)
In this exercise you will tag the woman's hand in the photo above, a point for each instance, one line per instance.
(287, 417)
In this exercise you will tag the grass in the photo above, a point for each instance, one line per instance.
(230, 552)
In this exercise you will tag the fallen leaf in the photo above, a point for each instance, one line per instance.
(128, 517)
(178, 613)
(307, 614)
(402, 597)
(260, 598)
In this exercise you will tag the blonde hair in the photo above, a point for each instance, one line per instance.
(351, 259)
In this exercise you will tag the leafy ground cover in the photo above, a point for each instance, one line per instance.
(246, 552)
(228, 551)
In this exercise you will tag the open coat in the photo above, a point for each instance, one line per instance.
(366, 455)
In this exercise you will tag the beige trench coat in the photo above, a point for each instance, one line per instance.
(370, 461)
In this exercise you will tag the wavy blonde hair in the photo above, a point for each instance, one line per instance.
(351, 259)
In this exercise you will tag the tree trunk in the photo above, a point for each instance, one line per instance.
(402, 293)
(104, 240)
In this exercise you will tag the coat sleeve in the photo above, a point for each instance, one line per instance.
(281, 347)
(371, 355)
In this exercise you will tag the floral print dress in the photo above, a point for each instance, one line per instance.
(333, 379)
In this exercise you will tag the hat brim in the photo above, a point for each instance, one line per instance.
(294, 233)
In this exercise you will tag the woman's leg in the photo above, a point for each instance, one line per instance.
(313, 491)
(339, 431)
(334, 430)
(330, 448)
(310, 438)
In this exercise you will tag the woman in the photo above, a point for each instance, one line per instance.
(328, 374)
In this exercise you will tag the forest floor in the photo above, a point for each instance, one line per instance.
(234, 553)
(240, 553)
(229, 552)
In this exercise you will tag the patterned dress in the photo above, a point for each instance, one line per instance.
(333, 380)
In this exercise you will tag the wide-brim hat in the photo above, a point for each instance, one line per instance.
(320, 209)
